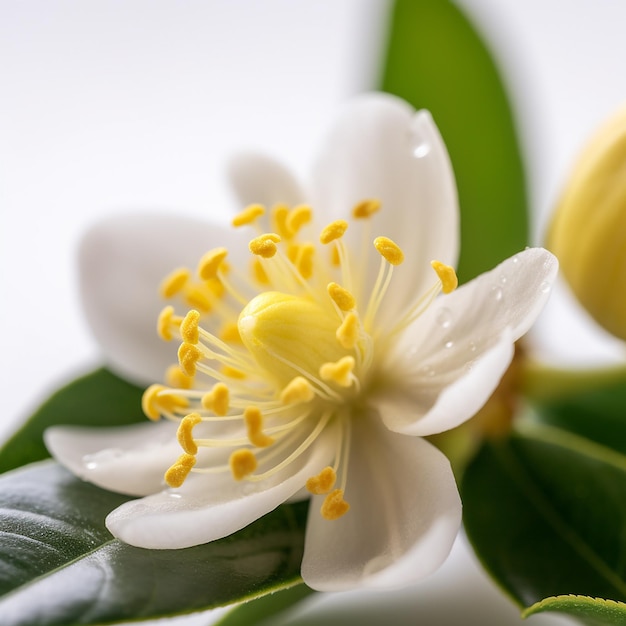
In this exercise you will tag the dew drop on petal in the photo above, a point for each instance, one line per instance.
(448, 344)
(545, 287)
(515, 259)
(471, 346)
(428, 371)
(444, 318)
(93, 461)
(497, 293)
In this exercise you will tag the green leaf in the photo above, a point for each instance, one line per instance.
(265, 608)
(436, 60)
(546, 512)
(59, 566)
(594, 410)
(593, 611)
(97, 399)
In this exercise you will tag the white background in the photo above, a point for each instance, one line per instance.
(110, 105)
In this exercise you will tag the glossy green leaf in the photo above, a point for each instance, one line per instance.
(593, 611)
(437, 61)
(97, 399)
(59, 566)
(546, 512)
(267, 608)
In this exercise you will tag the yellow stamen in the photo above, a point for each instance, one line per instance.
(334, 505)
(248, 215)
(341, 297)
(297, 218)
(176, 475)
(264, 245)
(254, 423)
(389, 250)
(348, 333)
(210, 263)
(339, 372)
(174, 282)
(230, 333)
(185, 434)
(335, 258)
(188, 356)
(279, 220)
(176, 378)
(197, 296)
(233, 372)
(215, 285)
(154, 405)
(242, 463)
(447, 276)
(366, 208)
(166, 321)
(297, 391)
(323, 482)
(333, 231)
(259, 273)
(304, 260)
(189, 327)
(217, 400)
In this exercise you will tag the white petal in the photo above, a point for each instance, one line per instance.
(209, 507)
(380, 148)
(462, 345)
(125, 459)
(122, 261)
(404, 515)
(260, 179)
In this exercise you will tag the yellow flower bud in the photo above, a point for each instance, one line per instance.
(588, 231)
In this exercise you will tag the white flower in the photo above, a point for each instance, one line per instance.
(322, 364)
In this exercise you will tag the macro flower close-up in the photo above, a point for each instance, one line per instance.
(322, 336)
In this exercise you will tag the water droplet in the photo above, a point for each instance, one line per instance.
(471, 346)
(175, 495)
(545, 287)
(444, 317)
(497, 293)
(427, 370)
(448, 344)
(503, 279)
(92, 461)
(421, 150)
(516, 259)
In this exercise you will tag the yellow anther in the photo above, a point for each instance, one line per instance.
(248, 215)
(210, 263)
(333, 231)
(365, 208)
(389, 250)
(348, 333)
(339, 372)
(279, 220)
(323, 482)
(189, 327)
(304, 260)
(176, 475)
(174, 282)
(188, 356)
(185, 433)
(230, 333)
(259, 273)
(217, 400)
(264, 245)
(166, 321)
(297, 391)
(197, 296)
(150, 404)
(334, 505)
(447, 276)
(254, 423)
(341, 297)
(215, 285)
(297, 218)
(233, 372)
(176, 378)
(242, 463)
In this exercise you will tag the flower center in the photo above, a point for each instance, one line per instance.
(271, 358)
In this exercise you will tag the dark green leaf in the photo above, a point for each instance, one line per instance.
(595, 410)
(268, 607)
(546, 512)
(98, 399)
(593, 611)
(437, 61)
(59, 566)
